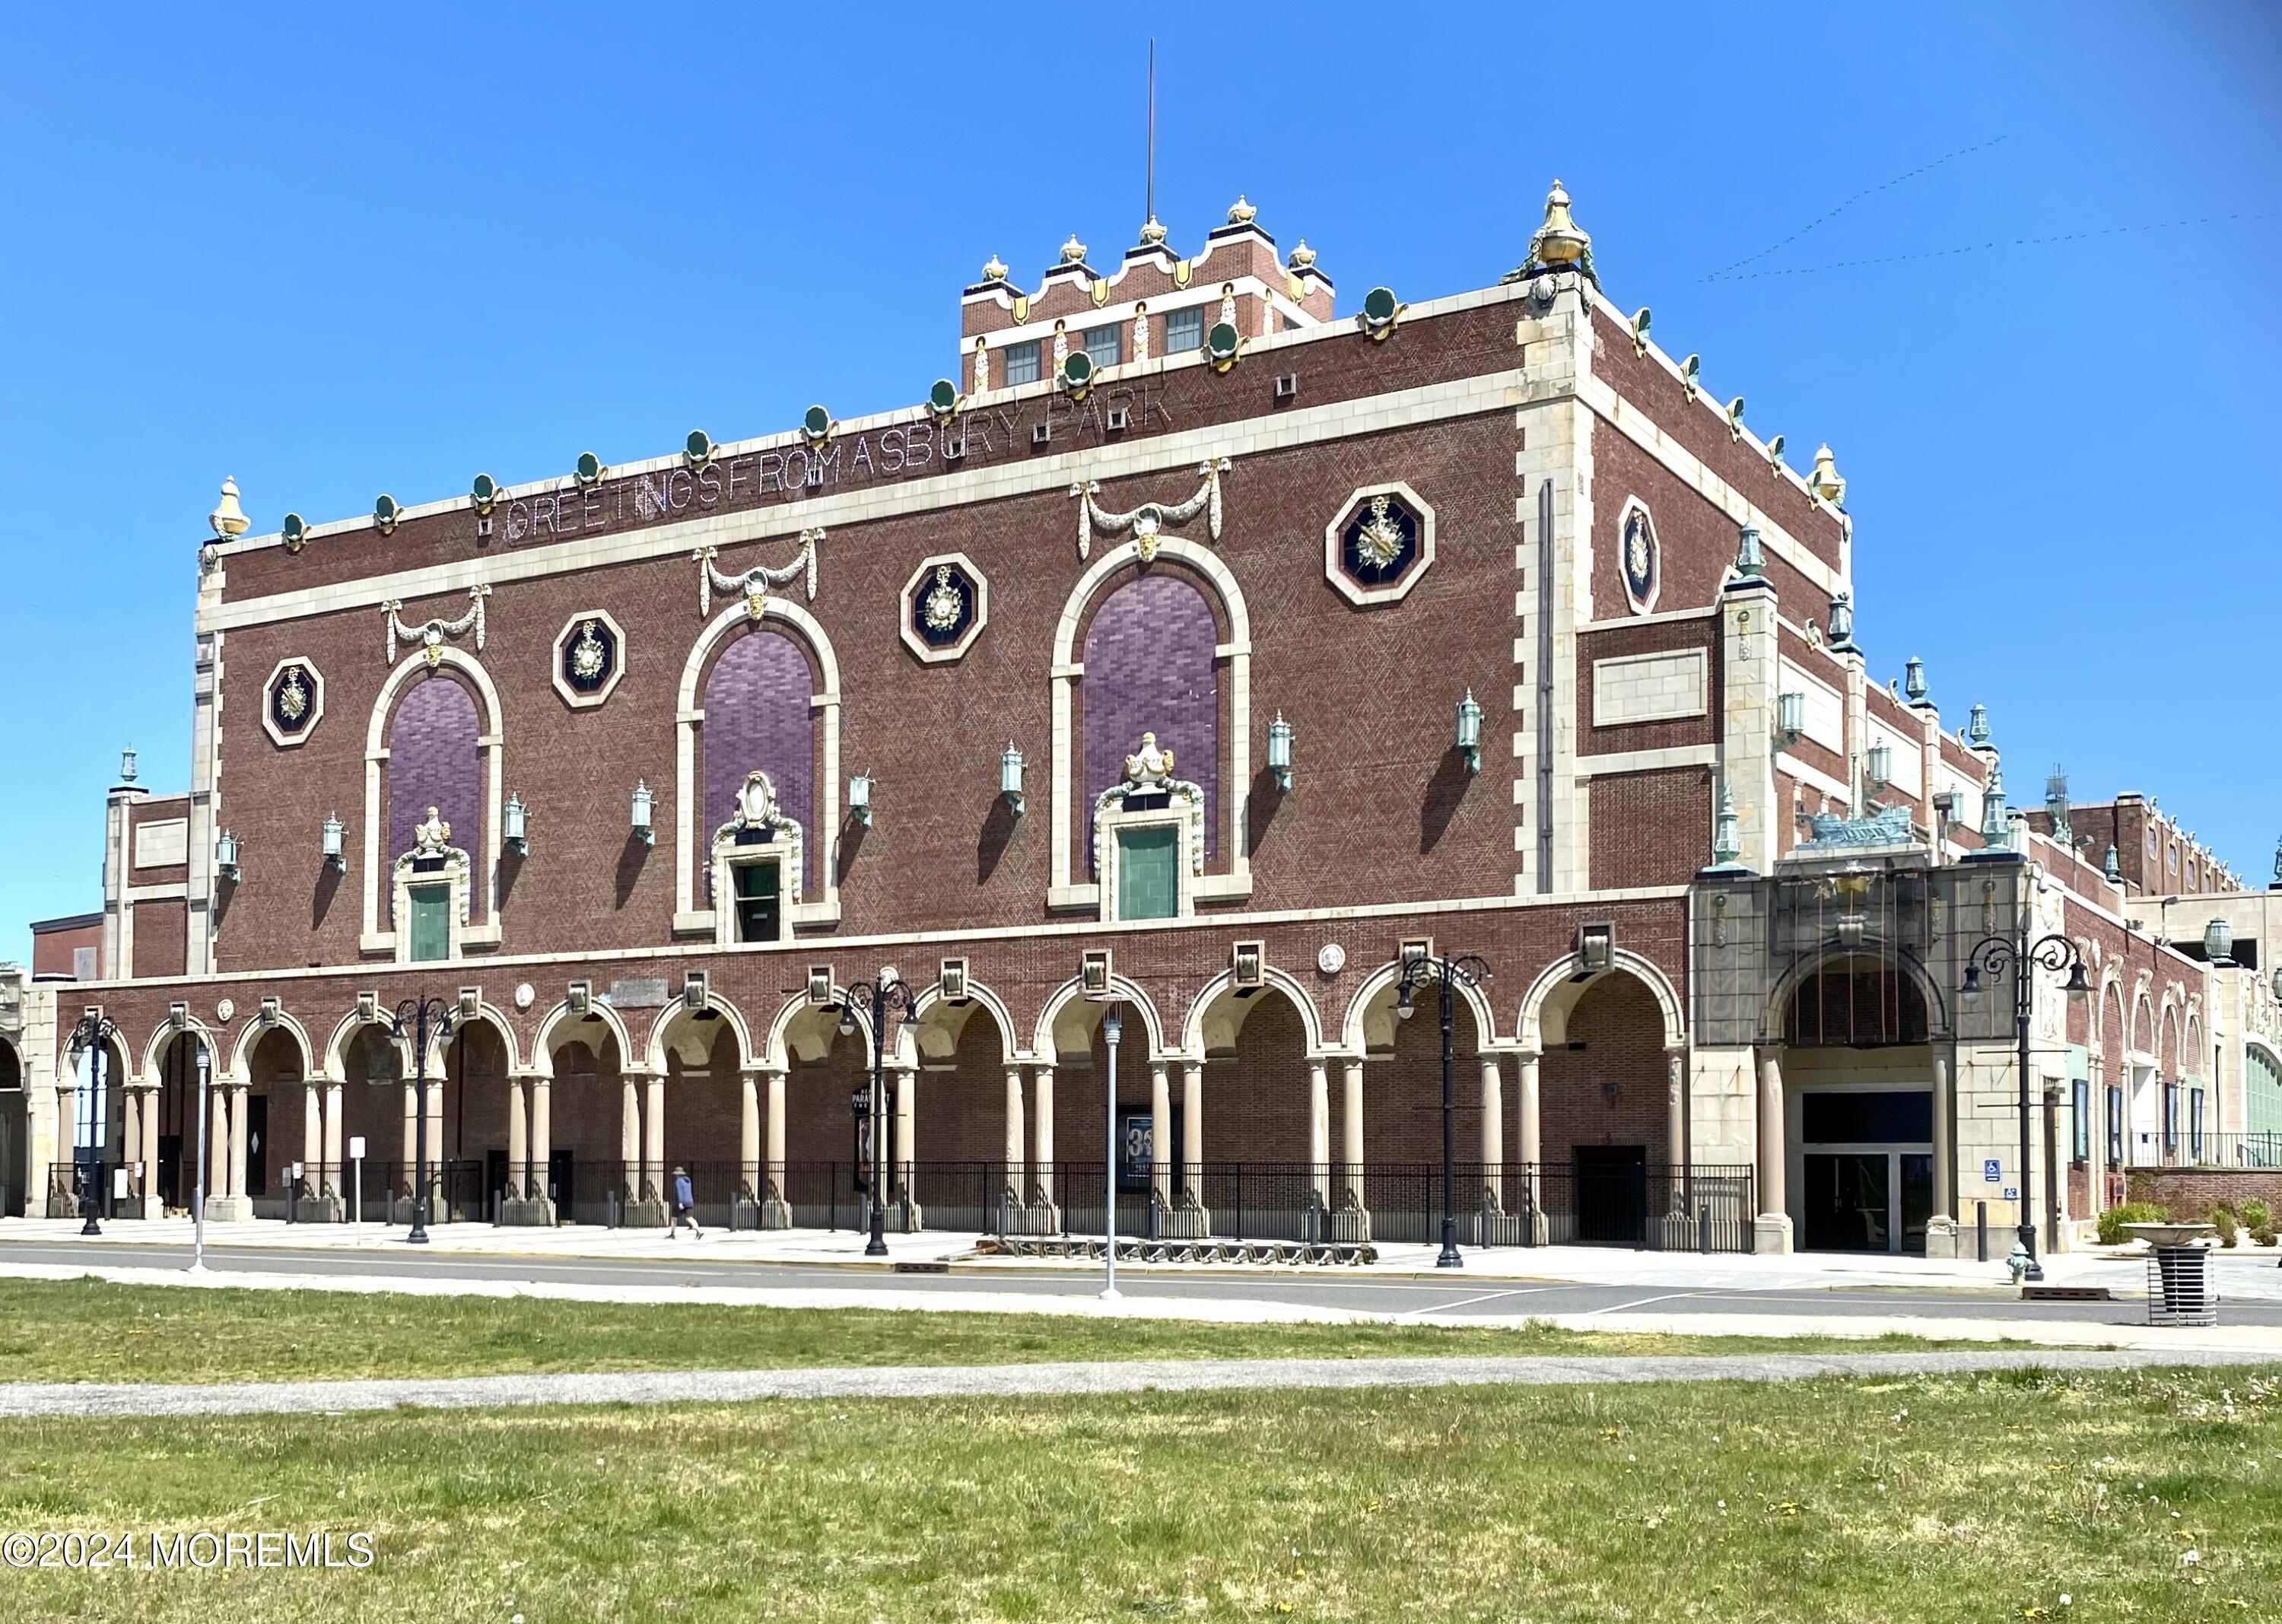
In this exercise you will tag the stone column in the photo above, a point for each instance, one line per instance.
(654, 1178)
(2055, 1148)
(749, 1133)
(630, 1143)
(1773, 1232)
(411, 1127)
(1192, 1130)
(1675, 1107)
(1493, 1145)
(1015, 1170)
(1042, 1140)
(775, 1130)
(335, 1170)
(218, 1142)
(905, 1084)
(313, 1135)
(1941, 1224)
(542, 1137)
(1160, 1129)
(518, 1142)
(1319, 1130)
(237, 1114)
(438, 1212)
(1530, 1149)
(131, 1125)
(1350, 1134)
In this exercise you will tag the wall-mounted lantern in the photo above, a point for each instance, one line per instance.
(226, 855)
(859, 799)
(334, 859)
(513, 822)
(1010, 778)
(1279, 750)
(1878, 766)
(1470, 731)
(1791, 717)
(641, 805)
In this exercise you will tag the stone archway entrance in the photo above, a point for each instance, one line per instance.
(1859, 1077)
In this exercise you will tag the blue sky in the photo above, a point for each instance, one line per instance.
(338, 255)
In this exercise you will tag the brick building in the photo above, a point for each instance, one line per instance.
(1194, 653)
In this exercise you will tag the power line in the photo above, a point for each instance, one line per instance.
(2018, 242)
(1835, 210)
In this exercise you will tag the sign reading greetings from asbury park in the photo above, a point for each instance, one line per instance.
(924, 446)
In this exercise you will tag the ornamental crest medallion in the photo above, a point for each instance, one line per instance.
(943, 606)
(293, 701)
(1640, 559)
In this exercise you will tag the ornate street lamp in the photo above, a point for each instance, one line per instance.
(1994, 955)
(877, 998)
(421, 1017)
(93, 1035)
(1444, 974)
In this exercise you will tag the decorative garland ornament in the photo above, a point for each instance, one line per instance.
(430, 636)
(755, 583)
(1149, 518)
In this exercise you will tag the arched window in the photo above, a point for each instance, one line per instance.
(1150, 668)
(760, 716)
(434, 759)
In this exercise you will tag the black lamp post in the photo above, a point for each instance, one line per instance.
(422, 1016)
(1995, 954)
(877, 998)
(1468, 970)
(93, 1035)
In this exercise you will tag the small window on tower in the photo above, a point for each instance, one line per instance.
(1023, 363)
(1103, 345)
(1184, 329)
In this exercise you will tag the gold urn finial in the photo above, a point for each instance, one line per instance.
(1153, 235)
(994, 269)
(1072, 250)
(1826, 481)
(1240, 212)
(1558, 241)
(1302, 257)
(228, 519)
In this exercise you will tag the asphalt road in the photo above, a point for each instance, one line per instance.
(1484, 1296)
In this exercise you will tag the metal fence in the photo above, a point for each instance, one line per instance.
(1652, 1208)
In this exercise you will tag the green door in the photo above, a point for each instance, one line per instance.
(432, 922)
(1148, 872)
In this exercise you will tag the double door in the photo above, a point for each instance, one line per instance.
(1867, 1199)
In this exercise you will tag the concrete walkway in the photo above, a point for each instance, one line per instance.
(35, 1399)
(2124, 1269)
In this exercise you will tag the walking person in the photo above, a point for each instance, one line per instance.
(685, 1206)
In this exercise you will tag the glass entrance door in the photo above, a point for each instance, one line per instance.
(1848, 1194)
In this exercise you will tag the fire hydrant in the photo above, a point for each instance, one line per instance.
(2019, 1262)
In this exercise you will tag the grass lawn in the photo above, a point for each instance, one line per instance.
(96, 1331)
(1989, 1497)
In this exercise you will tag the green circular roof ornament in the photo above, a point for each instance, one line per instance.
(1078, 369)
(816, 422)
(1378, 305)
(485, 490)
(699, 448)
(589, 467)
(385, 513)
(1223, 340)
(295, 530)
(942, 399)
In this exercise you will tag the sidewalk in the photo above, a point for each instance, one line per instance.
(1096, 1377)
(2246, 1274)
